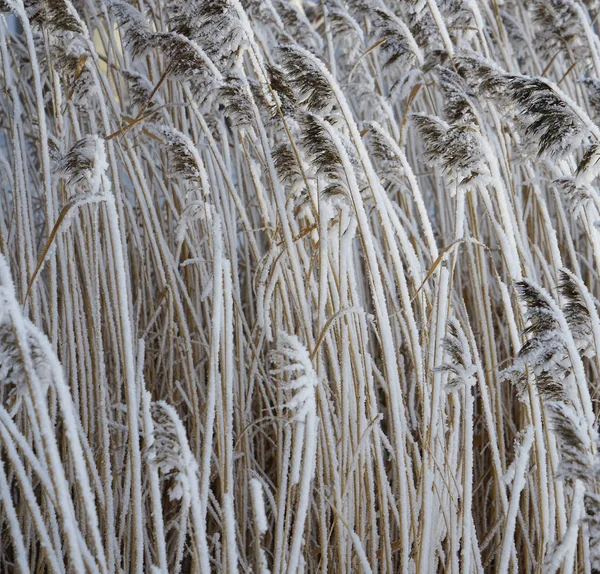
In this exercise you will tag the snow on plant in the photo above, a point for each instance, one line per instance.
(303, 403)
(294, 286)
(295, 361)
(12, 369)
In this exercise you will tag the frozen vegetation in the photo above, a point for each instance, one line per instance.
(299, 286)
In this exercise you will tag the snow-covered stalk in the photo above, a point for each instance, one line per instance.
(519, 482)
(395, 200)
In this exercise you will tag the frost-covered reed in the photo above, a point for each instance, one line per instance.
(299, 286)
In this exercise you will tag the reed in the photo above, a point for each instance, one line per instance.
(299, 286)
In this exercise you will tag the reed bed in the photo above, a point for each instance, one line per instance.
(299, 286)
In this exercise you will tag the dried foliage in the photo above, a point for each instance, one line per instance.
(297, 286)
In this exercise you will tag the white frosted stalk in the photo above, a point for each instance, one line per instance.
(228, 368)
(364, 562)
(57, 474)
(13, 523)
(387, 339)
(128, 348)
(155, 494)
(230, 522)
(536, 416)
(467, 494)
(427, 525)
(565, 551)
(297, 449)
(441, 26)
(54, 559)
(416, 191)
(258, 503)
(281, 502)
(228, 375)
(49, 193)
(191, 491)
(519, 483)
(310, 452)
